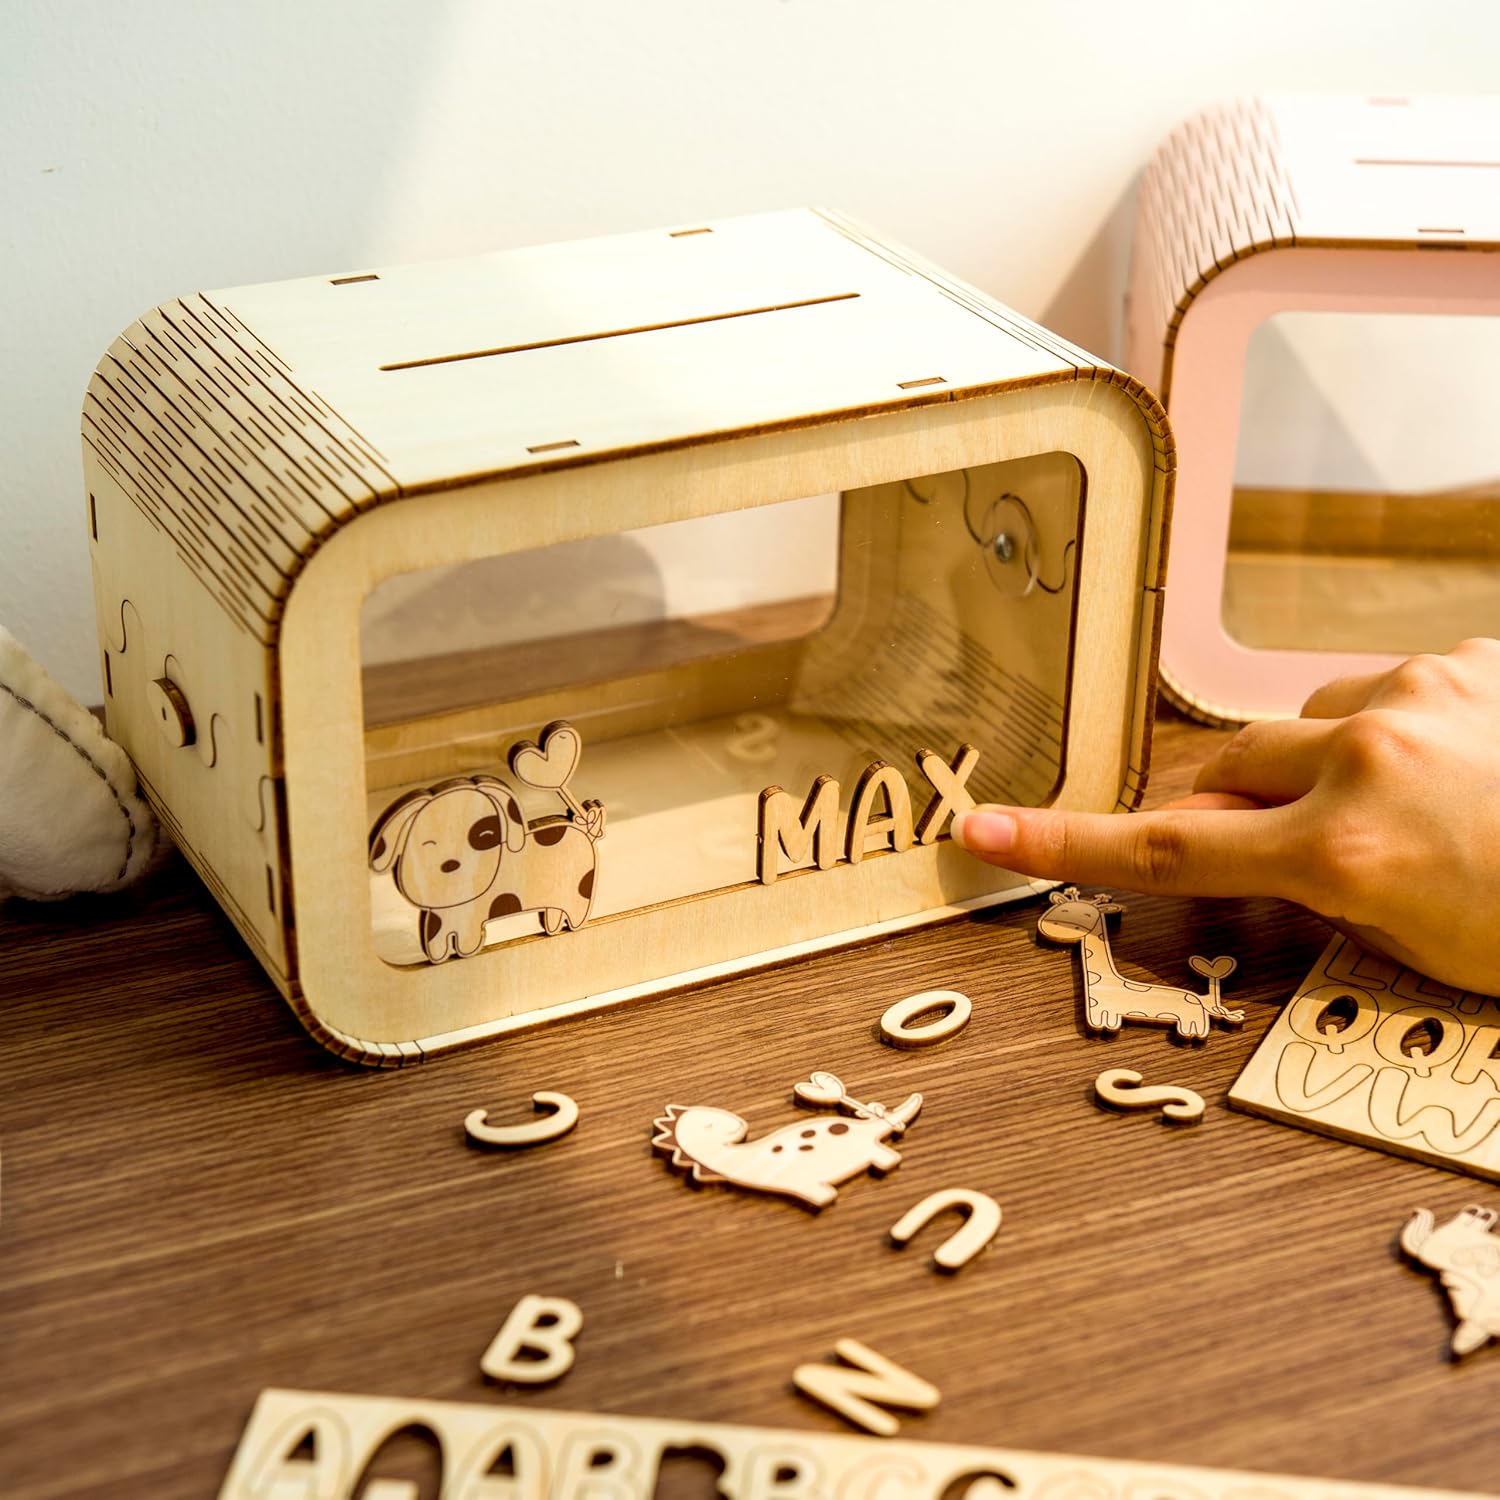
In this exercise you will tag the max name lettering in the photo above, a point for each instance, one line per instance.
(880, 815)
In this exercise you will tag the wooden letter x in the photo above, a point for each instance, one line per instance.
(948, 782)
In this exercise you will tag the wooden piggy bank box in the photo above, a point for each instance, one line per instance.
(505, 637)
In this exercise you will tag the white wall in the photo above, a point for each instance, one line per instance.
(1370, 401)
(148, 149)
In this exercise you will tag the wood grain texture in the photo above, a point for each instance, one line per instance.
(200, 1202)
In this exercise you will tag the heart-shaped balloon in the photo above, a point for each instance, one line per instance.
(821, 1088)
(551, 764)
(1213, 968)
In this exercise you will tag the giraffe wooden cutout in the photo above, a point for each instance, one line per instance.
(1109, 999)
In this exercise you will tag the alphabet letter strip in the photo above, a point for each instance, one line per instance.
(1374, 1053)
(566, 1456)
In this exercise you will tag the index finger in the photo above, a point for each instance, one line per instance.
(1342, 697)
(1170, 852)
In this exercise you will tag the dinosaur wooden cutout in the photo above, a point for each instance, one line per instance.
(1467, 1258)
(804, 1160)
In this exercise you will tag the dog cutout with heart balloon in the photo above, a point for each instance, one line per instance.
(462, 853)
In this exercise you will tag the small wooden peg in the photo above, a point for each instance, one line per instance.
(1120, 1088)
(169, 707)
(562, 1118)
(981, 1225)
(896, 1027)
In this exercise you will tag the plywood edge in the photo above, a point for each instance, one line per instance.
(1251, 177)
(1213, 193)
(346, 1047)
(1215, 715)
(378, 1054)
(246, 471)
(1246, 1105)
(220, 889)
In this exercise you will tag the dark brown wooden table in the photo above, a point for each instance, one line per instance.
(198, 1202)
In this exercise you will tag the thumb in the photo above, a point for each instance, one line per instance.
(1171, 852)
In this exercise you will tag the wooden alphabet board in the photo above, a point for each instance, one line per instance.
(318, 1446)
(1374, 1053)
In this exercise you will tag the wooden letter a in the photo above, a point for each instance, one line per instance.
(894, 825)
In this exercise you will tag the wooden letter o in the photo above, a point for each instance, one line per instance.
(896, 1029)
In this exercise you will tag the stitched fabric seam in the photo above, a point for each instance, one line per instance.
(92, 764)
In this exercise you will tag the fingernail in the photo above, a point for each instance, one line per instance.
(984, 832)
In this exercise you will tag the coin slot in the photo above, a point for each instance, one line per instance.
(352, 280)
(618, 333)
(1412, 161)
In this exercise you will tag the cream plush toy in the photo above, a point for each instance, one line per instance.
(70, 818)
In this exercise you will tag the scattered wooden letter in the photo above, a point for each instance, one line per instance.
(804, 1160)
(1467, 1257)
(895, 1024)
(852, 1392)
(1120, 1088)
(981, 1225)
(546, 1326)
(559, 1115)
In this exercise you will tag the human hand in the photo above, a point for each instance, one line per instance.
(1378, 808)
